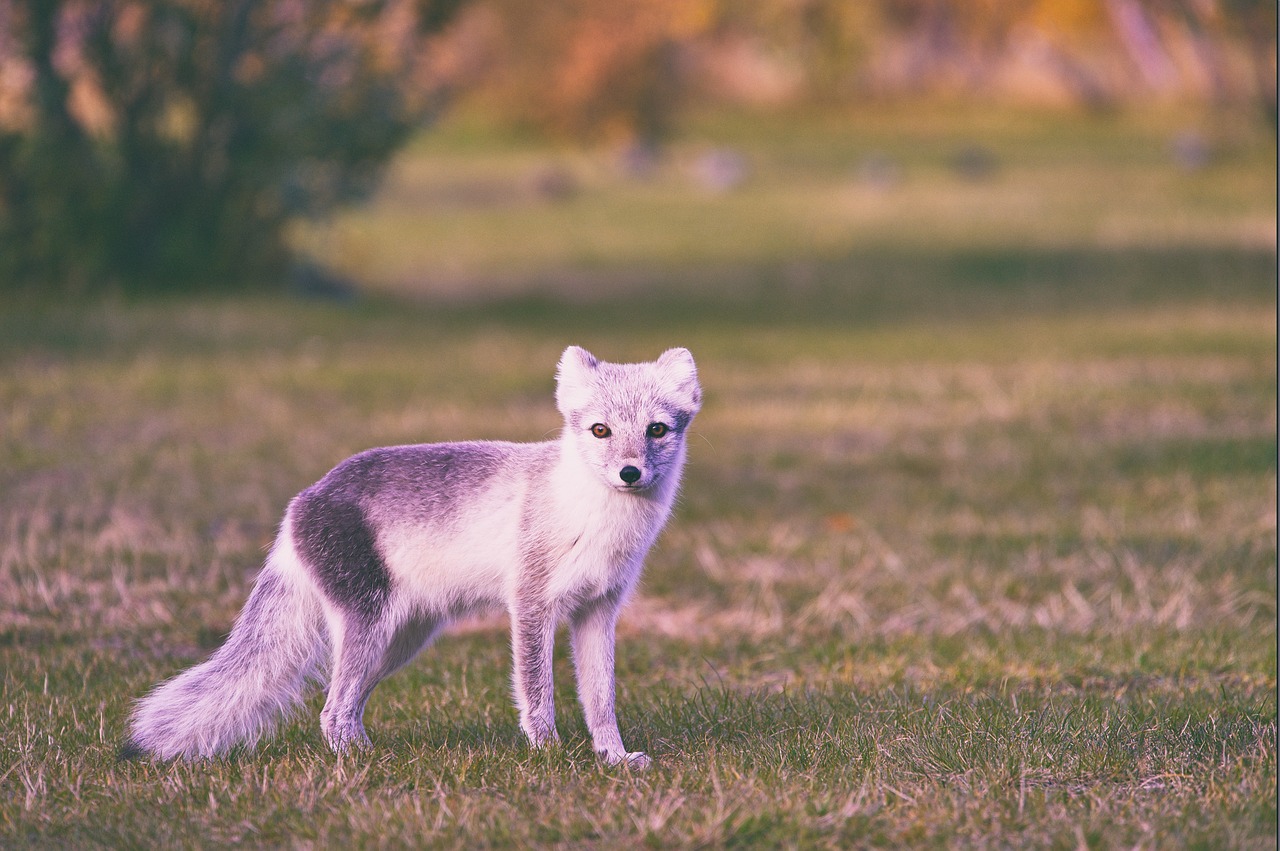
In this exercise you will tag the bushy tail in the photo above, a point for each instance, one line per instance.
(257, 677)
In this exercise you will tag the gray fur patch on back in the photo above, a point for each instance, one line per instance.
(336, 521)
(427, 481)
(334, 539)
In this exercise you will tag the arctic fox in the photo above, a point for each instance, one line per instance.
(392, 544)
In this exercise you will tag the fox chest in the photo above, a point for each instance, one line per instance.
(596, 557)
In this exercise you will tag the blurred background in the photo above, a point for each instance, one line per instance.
(981, 505)
(489, 148)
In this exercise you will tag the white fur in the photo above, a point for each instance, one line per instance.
(553, 531)
(256, 678)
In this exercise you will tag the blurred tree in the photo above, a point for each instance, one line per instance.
(1103, 52)
(1255, 22)
(588, 69)
(164, 143)
(827, 40)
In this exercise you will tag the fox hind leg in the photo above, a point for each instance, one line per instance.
(366, 653)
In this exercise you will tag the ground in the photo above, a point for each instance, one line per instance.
(977, 543)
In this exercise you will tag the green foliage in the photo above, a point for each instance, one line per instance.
(167, 143)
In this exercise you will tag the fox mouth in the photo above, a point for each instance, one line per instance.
(633, 487)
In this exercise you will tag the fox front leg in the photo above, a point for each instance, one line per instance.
(592, 632)
(533, 639)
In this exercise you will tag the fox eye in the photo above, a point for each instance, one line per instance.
(600, 430)
(658, 429)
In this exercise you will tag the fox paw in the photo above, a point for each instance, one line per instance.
(635, 760)
(344, 739)
(543, 739)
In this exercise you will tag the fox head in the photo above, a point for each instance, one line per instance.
(628, 421)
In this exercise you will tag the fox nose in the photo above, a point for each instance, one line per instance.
(629, 474)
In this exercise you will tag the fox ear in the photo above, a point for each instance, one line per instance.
(680, 375)
(573, 379)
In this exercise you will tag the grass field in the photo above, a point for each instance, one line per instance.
(977, 546)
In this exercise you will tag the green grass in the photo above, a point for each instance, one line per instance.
(465, 220)
(977, 545)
